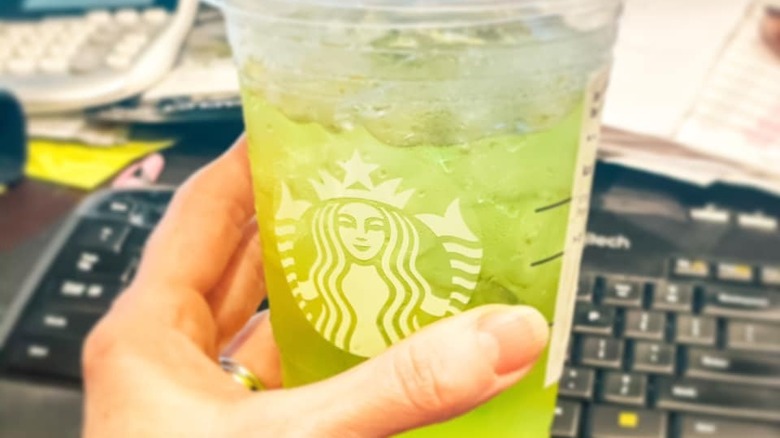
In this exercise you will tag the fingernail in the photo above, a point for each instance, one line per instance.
(516, 335)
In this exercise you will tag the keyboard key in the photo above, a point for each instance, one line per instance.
(695, 330)
(155, 16)
(156, 198)
(21, 66)
(749, 336)
(137, 240)
(119, 62)
(627, 293)
(87, 61)
(641, 324)
(96, 294)
(45, 354)
(693, 426)
(53, 66)
(601, 352)
(589, 318)
(617, 422)
(736, 272)
(734, 366)
(146, 216)
(567, 419)
(102, 294)
(769, 276)
(152, 217)
(690, 268)
(758, 221)
(127, 17)
(719, 398)
(95, 262)
(99, 16)
(577, 383)
(62, 322)
(98, 291)
(710, 214)
(104, 38)
(101, 234)
(585, 286)
(131, 44)
(654, 357)
(673, 297)
(119, 208)
(72, 288)
(624, 388)
(742, 303)
(130, 271)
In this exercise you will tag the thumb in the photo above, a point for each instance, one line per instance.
(443, 371)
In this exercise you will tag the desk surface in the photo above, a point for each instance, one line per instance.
(30, 215)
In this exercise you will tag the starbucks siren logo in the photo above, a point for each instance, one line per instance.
(363, 289)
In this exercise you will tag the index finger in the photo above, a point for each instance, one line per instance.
(203, 227)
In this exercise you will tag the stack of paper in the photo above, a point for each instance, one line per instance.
(673, 160)
(696, 82)
(737, 112)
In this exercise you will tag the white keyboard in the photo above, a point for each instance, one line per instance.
(64, 63)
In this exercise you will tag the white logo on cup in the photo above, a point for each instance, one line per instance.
(358, 252)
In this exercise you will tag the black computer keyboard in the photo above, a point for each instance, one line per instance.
(91, 260)
(676, 332)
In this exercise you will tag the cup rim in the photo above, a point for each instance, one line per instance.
(432, 16)
(526, 9)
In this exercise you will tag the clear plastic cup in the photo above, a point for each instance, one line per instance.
(414, 159)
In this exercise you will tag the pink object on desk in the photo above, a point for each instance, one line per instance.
(141, 173)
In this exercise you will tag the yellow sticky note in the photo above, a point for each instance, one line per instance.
(628, 420)
(81, 166)
(3, 189)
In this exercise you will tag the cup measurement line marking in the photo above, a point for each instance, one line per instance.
(547, 260)
(552, 206)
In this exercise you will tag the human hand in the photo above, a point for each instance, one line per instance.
(151, 365)
(770, 27)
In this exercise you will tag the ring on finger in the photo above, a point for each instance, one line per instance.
(241, 374)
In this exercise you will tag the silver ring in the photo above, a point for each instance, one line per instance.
(240, 374)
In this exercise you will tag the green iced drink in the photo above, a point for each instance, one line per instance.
(404, 174)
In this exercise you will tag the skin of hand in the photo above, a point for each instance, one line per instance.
(770, 28)
(151, 364)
